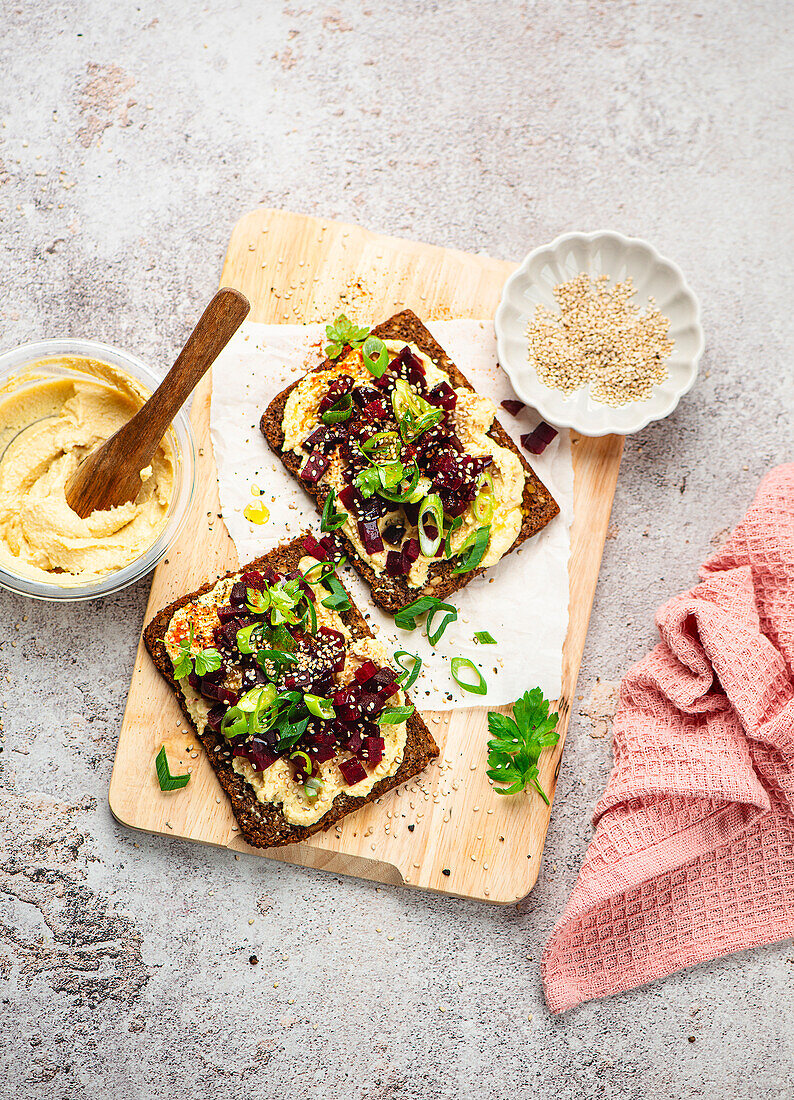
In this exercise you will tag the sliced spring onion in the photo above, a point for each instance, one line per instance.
(430, 509)
(477, 687)
(339, 412)
(403, 495)
(383, 446)
(311, 615)
(455, 523)
(406, 617)
(391, 716)
(485, 501)
(407, 678)
(324, 570)
(473, 550)
(331, 520)
(234, 723)
(277, 656)
(245, 643)
(338, 600)
(413, 414)
(167, 781)
(484, 638)
(312, 787)
(257, 601)
(319, 706)
(421, 490)
(299, 754)
(375, 356)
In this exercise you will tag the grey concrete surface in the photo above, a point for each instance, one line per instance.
(132, 136)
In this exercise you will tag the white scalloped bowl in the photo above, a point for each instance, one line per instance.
(605, 253)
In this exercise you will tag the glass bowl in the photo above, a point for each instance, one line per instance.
(51, 358)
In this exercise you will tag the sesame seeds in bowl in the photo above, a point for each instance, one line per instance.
(599, 333)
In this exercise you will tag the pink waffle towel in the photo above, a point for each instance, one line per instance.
(693, 852)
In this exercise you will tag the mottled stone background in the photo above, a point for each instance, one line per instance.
(132, 136)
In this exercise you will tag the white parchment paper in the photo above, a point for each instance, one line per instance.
(522, 602)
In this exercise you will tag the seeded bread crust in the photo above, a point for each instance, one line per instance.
(262, 824)
(392, 593)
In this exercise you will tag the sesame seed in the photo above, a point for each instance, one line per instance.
(600, 338)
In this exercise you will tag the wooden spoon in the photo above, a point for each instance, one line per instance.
(111, 474)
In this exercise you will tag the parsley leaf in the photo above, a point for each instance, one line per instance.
(206, 660)
(517, 742)
(343, 333)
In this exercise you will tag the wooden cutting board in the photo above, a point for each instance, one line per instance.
(447, 830)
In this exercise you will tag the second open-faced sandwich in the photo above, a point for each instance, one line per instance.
(417, 482)
(296, 703)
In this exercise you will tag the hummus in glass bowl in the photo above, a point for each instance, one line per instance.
(58, 400)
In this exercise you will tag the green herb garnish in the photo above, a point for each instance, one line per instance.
(431, 514)
(338, 600)
(391, 716)
(476, 687)
(484, 638)
(413, 414)
(406, 618)
(343, 333)
(206, 660)
(454, 524)
(331, 520)
(517, 743)
(167, 781)
(319, 706)
(340, 411)
(474, 548)
(375, 356)
(408, 676)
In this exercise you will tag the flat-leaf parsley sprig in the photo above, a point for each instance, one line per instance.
(343, 333)
(206, 660)
(517, 743)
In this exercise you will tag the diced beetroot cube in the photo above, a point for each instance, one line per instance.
(444, 396)
(215, 717)
(227, 612)
(371, 704)
(227, 696)
(513, 407)
(253, 579)
(350, 497)
(313, 547)
(376, 410)
(370, 535)
(373, 747)
(366, 671)
(260, 755)
(328, 543)
(314, 468)
(194, 681)
(395, 563)
(538, 440)
(410, 552)
(362, 395)
(355, 741)
(237, 596)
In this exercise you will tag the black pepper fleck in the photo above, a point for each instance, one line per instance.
(411, 828)
(446, 871)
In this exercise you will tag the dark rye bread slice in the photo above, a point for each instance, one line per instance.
(392, 593)
(262, 824)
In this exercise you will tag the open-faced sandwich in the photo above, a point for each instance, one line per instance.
(300, 712)
(420, 485)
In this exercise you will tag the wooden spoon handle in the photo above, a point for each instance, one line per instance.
(215, 328)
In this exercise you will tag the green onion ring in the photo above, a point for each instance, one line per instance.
(408, 677)
(433, 507)
(480, 688)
